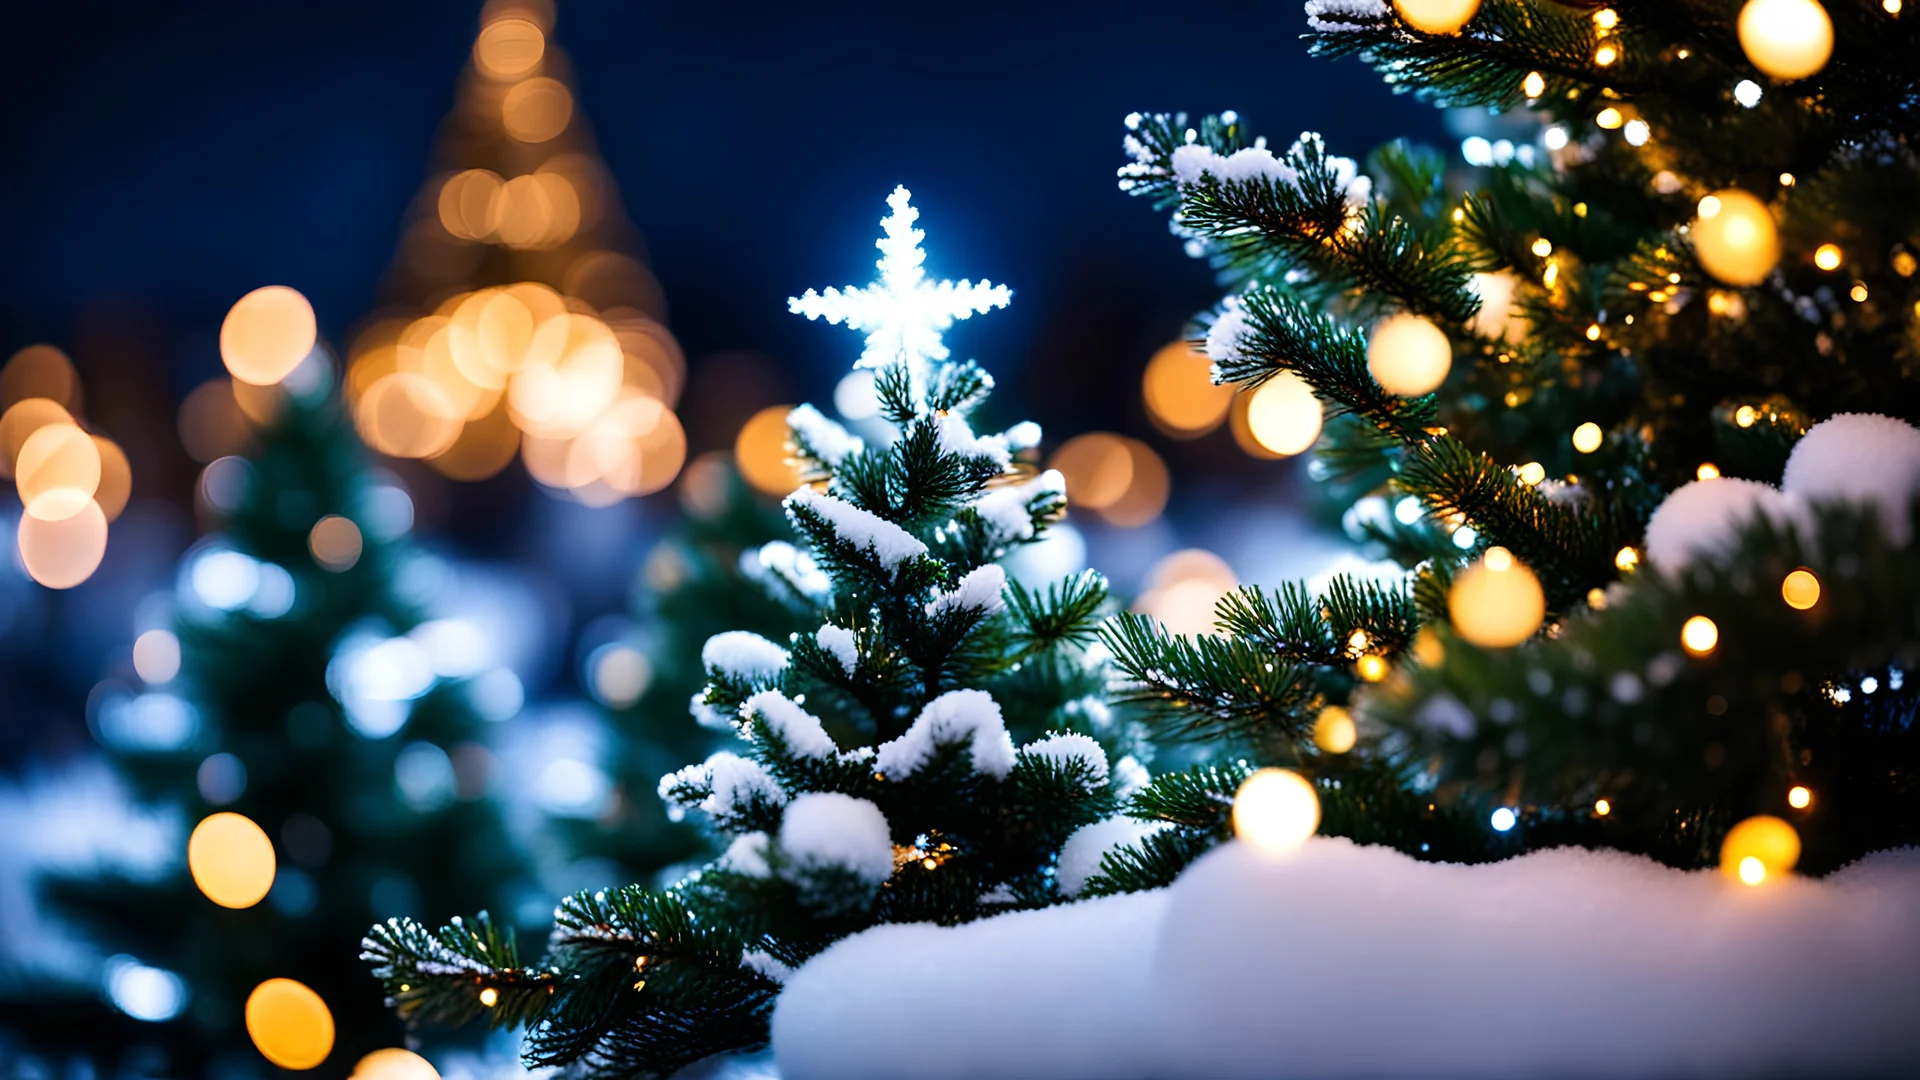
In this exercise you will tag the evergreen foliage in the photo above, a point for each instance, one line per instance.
(264, 677)
(1613, 321)
(875, 778)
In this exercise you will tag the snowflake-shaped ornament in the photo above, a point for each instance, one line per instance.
(903, 314)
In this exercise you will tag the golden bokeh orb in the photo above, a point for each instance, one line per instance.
(1097, 468)
(1334, 731)
(509, 48)
(1275, 810)
(40, 371)
(1735, 238)
(1801, 589)
(1283, 416)
(1699, 635)
(1761, 847)
(1180, 395)
(1437, 16)
(58, 471)
(266, 334)
(394, 1063)
(335, 543)
(760, 452)
(536, 110)
(289, 1024)
(1787, 39)
(1587, 437)
(1408, 355)
(61, 554)
(231, 860)
(1799, 796)
(1498, 602)
(19, 423)
(1183, 589)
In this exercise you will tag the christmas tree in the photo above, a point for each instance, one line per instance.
(1630, 400)
(322, 737)
(920, 753)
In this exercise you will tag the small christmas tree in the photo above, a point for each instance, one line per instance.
(920, 753)
(1560, 387)
(325, 740)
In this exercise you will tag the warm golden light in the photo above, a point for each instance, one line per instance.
(1801, 589)
(1181, 399)
(1699, 635)
(484, 447)
(1787, 39)
(1707, 471)
(1436, 16)
(1283, 415)
(466, 203)
(1333, 730)
(394, 1063)
(1734, 237)
(1543, 247)
(1532, 473)
(509, 48)
(1606, 19)
(1760, 847)
(1610, 118)
(1626, 559)
(58, 471)
(19, 423)
(1606, 54)
(1371, 667)
(1275, 810)
(1587, 437)
(1602, 807)
(489, 997)
(1498, 602)
(1745, 415)
(289, 1024)
(1098, 469)
(1534, 84)
(405, 415)
(1408, 355)
(1858, 293)
(1799, 797)
(231, 860)
(1827, 256)
(335, 543)
(558, 399)
(40, 371)
(212, 424)
(61, 554)
(266, 334)
(536, 110)
(760, 452)
(1183, 589)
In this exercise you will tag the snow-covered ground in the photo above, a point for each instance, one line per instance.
(1341, 960)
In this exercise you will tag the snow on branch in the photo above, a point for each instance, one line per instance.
(957, 716)
(890, 544)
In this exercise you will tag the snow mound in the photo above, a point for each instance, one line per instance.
(742, 654)
(978, 590)
(838, 640)
(1005, 508)
(800, 730)
(1052, 993)
(827, 829)
(890, 544)
(1080, 856)
(1341, 960)
(826, 440)
(970, 716)
(1859, 457)
(1700, 519)
(1069, 747)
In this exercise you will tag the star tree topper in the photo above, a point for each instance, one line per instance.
(902, 314)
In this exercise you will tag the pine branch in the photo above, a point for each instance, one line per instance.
(1207, 687)
(440, 977)
(1069, 611)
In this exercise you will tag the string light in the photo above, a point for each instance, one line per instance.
(1626, 559)
(1587, 437)
(1799, 797)
(1283, 416)
(1904, 263)
(1787, 39)
(1503, 819)
(1758, 848)
(1275, 810)
(1801, 589)
(266, 334)
(1436, 16)
(1593, 332)
(1534, 84)
(1786, 179)
(1597, 598)
(1735, 238)
(289, 1024)
(1532, 473)
(1699, 635)
(1637, 132)
(489, 997)
(1827, 257)
(394, 1063)
(1707, 471)
(1408, 355)
(1334, 731)
(1745, 416)
(1371, 667)
(1858, 292)
(1601, 808)
(1606, 54)
(1498, 602)
(1543, 247)
(1610, 118)
(1606, 19)
(1891, 7)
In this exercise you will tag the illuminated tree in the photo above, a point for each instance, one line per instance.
(920, 751)
(1560, 387)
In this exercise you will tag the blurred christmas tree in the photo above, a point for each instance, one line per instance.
(325, 743)
(1560, 387)
(918, 656)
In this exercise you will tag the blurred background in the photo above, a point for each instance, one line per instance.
(434, 178)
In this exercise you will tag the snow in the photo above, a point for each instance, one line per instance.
(765, 964)
(838, 640)
(731, 781)
(1859, 457)
(824, 439)
(1703, 518)
(777, 558)
(747, 855)
(794, 726)
(742, 655)
(1024, 435)
(1257, 163)
(1080, 856)
(710, 716)
(955, 716)
(827, 829)
(978, 591)
(957, 437)
(1066, 748)
(1058, 992)
(1341, 960)
(889, 543)
(903, 314)
(1227, 337)
(1335, 16)
(1005, 508)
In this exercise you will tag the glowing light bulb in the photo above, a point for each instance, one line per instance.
(1503, 819)
(1587, 437)
(1334, 731)
(1745, 415)
(1799, 797)
(1699, 635)
(489, 997)
(1827, 256)
(1534, 84)
(1543, 247)
(231, 860)
(1408, 355)
(1801, 589)
(1283, 416)
(1626, 559)
(1787, 39)
(1436, 16)
(1758, 848)
(1707, 471)
(1605, 55)
(266, 334)
(1734, 237)
(394, 1063)
(1497, 603)
(1371, 667)
(1606, 19)
(1610, 118)
(289, 1024)
(1275, 810)
(1602, 807)
(1532, 473)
